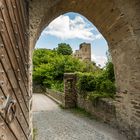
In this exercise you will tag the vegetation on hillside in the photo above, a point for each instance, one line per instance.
(49, 67)
(64, 49)
(98, 84)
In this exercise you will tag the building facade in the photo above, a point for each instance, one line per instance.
(84, 52)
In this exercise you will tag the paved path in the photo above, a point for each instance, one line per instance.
(54, 123)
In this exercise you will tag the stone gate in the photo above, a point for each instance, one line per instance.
(21, 23)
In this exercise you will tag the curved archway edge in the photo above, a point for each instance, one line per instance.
(119, 22)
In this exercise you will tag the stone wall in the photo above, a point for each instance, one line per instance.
(56, 96)
(84, 52)
(70, 90)
(38, 89)
(68, 99)
(106, 110)
(119, 23)
(103, 109)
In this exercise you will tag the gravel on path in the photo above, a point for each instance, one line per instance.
(53, 123)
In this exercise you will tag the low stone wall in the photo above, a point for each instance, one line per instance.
(104, 109)
(56, 95)
(38, 89)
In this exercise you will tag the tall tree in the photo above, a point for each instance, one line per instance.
(64, 49)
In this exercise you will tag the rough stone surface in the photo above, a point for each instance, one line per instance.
(58, 96)
(70, 90)
(103, 109)
(53, 123)
(119, 23)
(84, 52)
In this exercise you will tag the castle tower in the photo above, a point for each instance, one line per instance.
(85, 51)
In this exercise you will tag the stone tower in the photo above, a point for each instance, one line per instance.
(84, 52)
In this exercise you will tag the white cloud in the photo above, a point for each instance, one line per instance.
(65, 28)
(99, 60)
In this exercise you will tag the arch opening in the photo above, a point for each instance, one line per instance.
(74, 29)
(119, 27)
(68, 28)
(87, 45)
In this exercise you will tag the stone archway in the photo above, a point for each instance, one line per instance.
(119, 22)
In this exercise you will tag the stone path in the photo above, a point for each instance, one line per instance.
(53, 123)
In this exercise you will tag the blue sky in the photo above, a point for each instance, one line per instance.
(74, 29)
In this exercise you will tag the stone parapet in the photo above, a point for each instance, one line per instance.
(103, 109)
(70, 90)
(56, 96)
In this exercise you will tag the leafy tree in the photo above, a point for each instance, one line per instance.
(49, 67)
(64, 49)
(110, 71)
(97, 84)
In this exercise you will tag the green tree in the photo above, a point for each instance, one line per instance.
(49, 67)
(64, 49)
(109, 71)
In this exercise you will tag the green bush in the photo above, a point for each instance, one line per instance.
(88, 82)
(109, 71)
(96, 85)
(58, 86)
(49, 67)
(107, 86)
(85, 82)
(64, 49)
(98, 80)
(96, 95)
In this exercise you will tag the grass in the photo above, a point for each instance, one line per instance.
(61, 106)
(34, 133)
(81, 113)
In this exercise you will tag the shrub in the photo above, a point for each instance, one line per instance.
(96, 95)
(85, 82)
(98, 85)
(58, 86)
(107, 86)
(49, 67)
(64, 49)
(109, 71)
